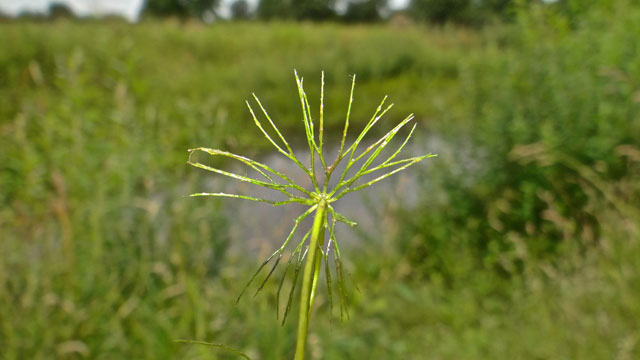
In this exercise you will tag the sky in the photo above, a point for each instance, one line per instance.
(129, 9)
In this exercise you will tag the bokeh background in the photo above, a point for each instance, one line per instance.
(520, 241)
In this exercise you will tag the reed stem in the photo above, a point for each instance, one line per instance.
(309, 274)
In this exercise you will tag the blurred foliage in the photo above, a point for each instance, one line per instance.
(57, 11)
(440, 11)
(314, 10)
(550, 146)
(181, 8)
(240, 10)
(274, 9)
(467, 12)
(364, 11)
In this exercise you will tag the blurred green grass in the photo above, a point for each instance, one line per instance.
(103, 256)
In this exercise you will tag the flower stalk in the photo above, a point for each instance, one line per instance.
(309, 278)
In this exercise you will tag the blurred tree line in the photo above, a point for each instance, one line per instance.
(314, 10)
(438, 12)
(464, 12)
(470, 12)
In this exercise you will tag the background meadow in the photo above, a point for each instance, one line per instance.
(520, 241)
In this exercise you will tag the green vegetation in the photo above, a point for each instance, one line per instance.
(524, 243)
(554, 121)
(467, 12)
(102, 253)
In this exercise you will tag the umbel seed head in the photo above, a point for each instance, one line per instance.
(320, 198)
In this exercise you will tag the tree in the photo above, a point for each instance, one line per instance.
(316, 10)
(364, 10)
(275, 9)
(60, 11)
(240, 10)
(471, 12)
(440, 11)
(181, 8)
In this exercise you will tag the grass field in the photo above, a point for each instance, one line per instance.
(103, 256)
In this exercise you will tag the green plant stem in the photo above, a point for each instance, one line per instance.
(316, 272)
(309, 274)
